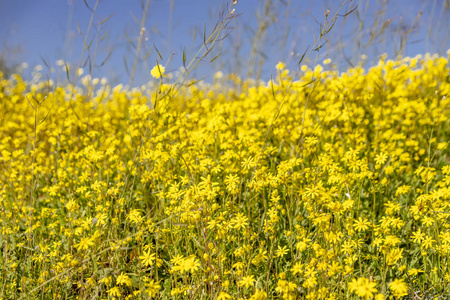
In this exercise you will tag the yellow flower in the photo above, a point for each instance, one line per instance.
(280, 66)
(147, 259)
(224, 296)
(190, 264)
(381, 158)
(115, 291)
(399, 288)
(261, 256)
(106, 280)
(158, 71)
(427, 242)
(310, 282)
(297, 268)
(247, 281)
(379, 297)
(282, 251)
(363, 287)
(238, 265)
(361, 225)
(85, 243)
(393, 256)
(152, 288)
(123, 279)
(240, 221)
(414, 272)
(259, 295)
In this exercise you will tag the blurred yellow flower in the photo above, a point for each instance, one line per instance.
(247, 281)
(363, 287)
(158, 71)
(280, 66)
(399, 288)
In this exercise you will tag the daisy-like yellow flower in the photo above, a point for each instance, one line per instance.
(414, 272)
(148, 258)
(114, 291)
(85, 243)
(361, 225)
(381, 158)
(123, 279)
(224, 296)
(297, 268)
(281, 251)
(152, 288)
(363, 287)
(261, 256)
(399, 288)
(190, 264)
(247, 281)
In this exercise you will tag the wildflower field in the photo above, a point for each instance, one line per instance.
(330, 186)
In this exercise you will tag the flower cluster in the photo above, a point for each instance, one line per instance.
(331, 186)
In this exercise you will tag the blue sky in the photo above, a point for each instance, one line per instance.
(32, 30)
